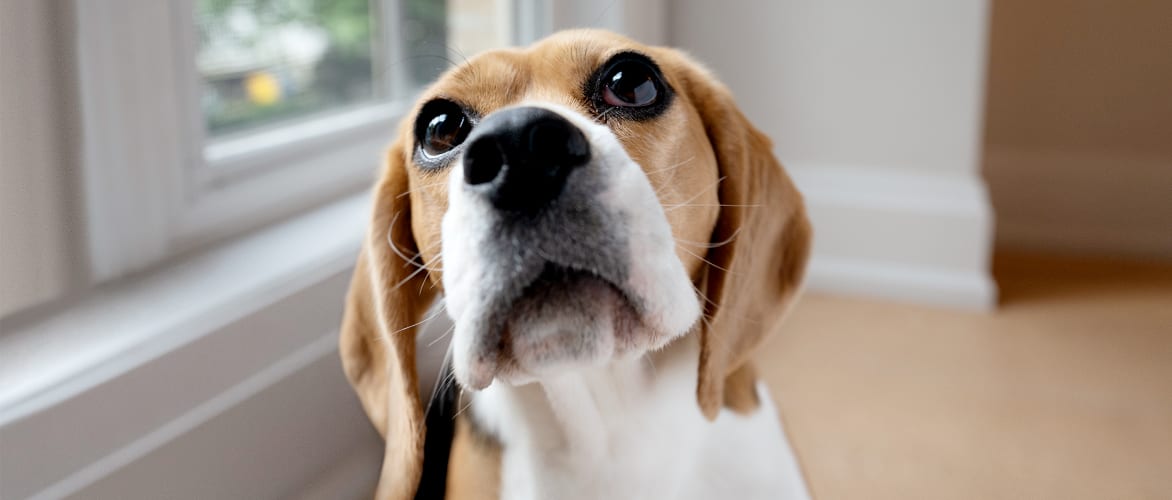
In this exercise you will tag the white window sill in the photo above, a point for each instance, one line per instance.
(103, 382)
(172, 306)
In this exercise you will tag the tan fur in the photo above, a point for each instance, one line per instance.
(714, 173)
(474, 470)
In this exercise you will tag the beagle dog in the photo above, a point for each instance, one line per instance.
(612, 239)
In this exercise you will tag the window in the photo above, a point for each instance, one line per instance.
(263, 63)
(206, 118)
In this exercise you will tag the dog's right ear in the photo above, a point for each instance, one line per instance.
(385, 304)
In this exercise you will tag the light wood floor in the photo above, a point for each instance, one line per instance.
(1065, 392)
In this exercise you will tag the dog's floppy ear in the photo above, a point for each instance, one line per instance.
(377, 345)
(759, 248)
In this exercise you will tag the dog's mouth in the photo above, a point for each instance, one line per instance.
(560, 287)
(565, 317)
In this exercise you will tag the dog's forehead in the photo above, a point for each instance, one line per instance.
(553, 70)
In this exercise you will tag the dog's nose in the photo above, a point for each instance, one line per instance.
(520, 157)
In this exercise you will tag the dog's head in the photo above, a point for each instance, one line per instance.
(578, 201)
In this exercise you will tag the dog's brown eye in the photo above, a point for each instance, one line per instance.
(441, 126)
(445, 132)
(630, 84)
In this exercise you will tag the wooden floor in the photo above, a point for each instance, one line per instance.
(1064, 392)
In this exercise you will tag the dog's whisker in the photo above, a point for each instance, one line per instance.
(600, 116)
(452, 48)
(409, 277)
(419, 187)
(396, 64)
(395, 248)
(437, 266)
(684, 205)
(673, 167)
(441, 382)
(703, 296)
(466, 406)
(432, 281)
(421, 265)
(712, 187)
(689, 252)
(711, 245)
(720, 341)
(434, 315)
(707, 321)
(442, 335)
(709, 188)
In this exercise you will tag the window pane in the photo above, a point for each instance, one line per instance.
(425, 34)
(267, 61)
(475, 26)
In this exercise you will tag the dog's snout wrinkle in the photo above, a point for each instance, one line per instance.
(520, 158)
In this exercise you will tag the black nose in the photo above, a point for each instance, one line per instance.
(520, 157)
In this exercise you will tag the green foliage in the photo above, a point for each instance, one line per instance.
(348, 23)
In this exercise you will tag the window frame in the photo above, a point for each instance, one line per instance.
(154, 185)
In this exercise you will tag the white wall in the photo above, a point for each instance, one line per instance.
(642, 20)
(1079, 130)
(34, 149)
(893, 84)
(876, 109)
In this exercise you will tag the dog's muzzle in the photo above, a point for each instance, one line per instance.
(520, 158)
(557, 254)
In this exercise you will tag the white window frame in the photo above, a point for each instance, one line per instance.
(154, 186)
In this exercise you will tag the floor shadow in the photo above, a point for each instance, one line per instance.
(1029, 278)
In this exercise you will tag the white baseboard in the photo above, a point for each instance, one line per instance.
(923, 285)
(899, 235)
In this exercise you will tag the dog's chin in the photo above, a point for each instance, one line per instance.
(563, 321)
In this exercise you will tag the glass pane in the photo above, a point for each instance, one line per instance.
(267, 61)
(440, 33)
(475, 26)
(425, 35)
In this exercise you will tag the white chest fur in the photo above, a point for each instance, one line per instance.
(633, 430)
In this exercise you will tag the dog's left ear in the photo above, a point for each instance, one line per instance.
(387, 301)
(759, 248)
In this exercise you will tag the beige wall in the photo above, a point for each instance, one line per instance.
(1079, 125)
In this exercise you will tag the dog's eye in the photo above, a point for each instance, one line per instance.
(630, 84)
(441, 126)
(444, 132)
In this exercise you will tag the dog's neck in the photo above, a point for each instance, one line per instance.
(633, 429)
(627, 421)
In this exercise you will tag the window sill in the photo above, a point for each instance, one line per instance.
(91, 386)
